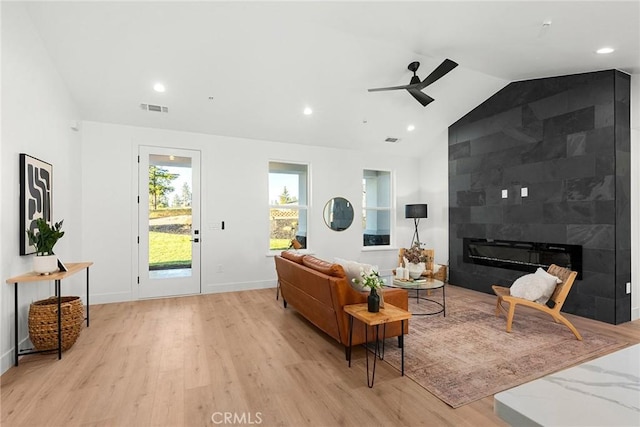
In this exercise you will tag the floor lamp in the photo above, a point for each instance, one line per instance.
(416, 212)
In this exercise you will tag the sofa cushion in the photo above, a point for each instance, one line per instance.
(352, 269)
(292, 256)
(324, 267)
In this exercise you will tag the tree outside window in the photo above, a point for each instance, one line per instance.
(288, 187)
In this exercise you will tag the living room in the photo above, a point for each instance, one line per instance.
(65, 123)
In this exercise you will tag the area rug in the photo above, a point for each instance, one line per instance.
(467, 355)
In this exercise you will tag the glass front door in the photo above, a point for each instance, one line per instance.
(169, 222)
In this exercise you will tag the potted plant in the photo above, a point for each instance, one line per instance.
(44, 238)
(372, 281)
(414, 261)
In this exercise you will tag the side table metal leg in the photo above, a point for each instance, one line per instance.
(366, 351)
(59, 293)
(15, 322)
(444, 303)
(402, 348)
(384, 335)
(376, 353)
(350, 339)
(87, 297)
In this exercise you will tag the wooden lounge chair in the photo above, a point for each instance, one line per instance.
(430, 272)
(553, 306)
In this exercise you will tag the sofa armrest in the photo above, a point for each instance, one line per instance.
(346, 295)
(397, 297)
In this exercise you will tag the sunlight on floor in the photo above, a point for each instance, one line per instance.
(170, 274)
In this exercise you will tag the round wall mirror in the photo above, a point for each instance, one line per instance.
(338, 214)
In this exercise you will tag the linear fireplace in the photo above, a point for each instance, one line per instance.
(523, 256)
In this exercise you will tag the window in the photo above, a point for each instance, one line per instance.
(288, 205)
(376, 208)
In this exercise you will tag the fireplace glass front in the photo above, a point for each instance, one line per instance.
(523, 256)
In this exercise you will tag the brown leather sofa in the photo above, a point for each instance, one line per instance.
(319, 290)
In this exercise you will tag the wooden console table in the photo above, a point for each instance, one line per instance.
(72, 269)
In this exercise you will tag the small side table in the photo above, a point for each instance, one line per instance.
(72, 268)
(388, 314)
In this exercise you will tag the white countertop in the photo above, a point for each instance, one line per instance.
(602, 392)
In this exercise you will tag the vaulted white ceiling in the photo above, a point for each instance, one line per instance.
(248, 69)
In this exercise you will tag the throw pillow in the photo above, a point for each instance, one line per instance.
(353, 269)
(550, 277)
(551, 282)
(530, 287)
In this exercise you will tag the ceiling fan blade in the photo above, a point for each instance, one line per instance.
(420, 96)
(446, 66)
(379, 89)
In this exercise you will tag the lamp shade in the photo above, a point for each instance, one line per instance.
(415, 211)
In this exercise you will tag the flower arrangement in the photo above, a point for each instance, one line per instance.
(414, 254)
(370, 279)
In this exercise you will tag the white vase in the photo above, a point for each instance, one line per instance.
(415, 270)
(45, 264)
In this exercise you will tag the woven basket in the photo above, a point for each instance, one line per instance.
(441, 274)
(43, 322)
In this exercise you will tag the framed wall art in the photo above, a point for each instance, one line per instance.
(36, 185)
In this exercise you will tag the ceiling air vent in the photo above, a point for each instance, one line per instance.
(156, 108)
(391, 140)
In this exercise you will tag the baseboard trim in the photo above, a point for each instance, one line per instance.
(108, 298)
(211, 288)
(7, 360)
(214, 288)
(635, 313)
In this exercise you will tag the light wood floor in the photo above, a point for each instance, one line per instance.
(178, 361)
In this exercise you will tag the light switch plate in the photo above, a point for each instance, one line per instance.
(505, 194)
(524, 192)
(628, 287)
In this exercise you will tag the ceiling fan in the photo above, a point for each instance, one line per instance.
(415, 86)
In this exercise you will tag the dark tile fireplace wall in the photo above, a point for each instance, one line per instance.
(567, 140)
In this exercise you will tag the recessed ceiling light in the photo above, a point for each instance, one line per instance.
(605, 50)
(410, 128)
(158, 87)
(307, 111)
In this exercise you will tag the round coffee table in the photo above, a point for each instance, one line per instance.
(423, 284)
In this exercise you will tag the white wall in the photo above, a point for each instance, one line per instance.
(36, 113)
(234, 190)
(434, 190)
